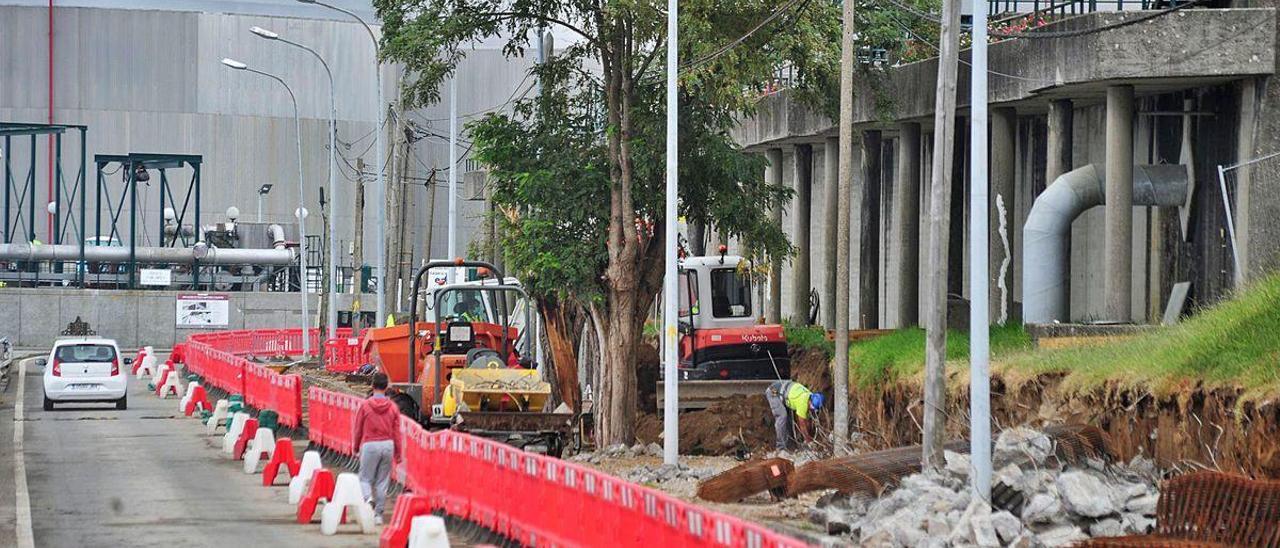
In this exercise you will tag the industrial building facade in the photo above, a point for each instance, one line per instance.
(145, 77)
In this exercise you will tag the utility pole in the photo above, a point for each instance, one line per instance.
(395, 202)
(840, 377)
(357, 249)
(935, 320)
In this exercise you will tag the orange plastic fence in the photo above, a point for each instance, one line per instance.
(331, 419)
(221, 358)
(343, 354)
(477, 479)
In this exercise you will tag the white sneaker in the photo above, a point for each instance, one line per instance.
(377, 520)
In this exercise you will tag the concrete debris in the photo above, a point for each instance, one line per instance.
(654, 450)
(1085, 494)
(665, 473)
(1060, 505)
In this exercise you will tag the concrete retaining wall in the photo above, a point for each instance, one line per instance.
(34, 317)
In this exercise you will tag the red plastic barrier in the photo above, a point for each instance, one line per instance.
(282, 456)
(332, 419)
(470, 477)
(343, 355)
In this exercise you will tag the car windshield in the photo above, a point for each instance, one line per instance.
(80, 353)
(730, 294)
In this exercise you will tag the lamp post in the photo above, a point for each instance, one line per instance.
(262, 194)
(670, 416)
(332, 320)
(302, 231)
(380, 187)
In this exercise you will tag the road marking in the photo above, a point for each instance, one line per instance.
(25, 537)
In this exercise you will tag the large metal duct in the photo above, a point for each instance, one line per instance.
(146, 255)
(1046, 235)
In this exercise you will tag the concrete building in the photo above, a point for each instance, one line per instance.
(1194, 87)
(144, 76)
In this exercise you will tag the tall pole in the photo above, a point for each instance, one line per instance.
(380, 251)
(331, 278)
(935, 320)
(670, 407)
(979, 333)
(840, 377)
(453, 171)
(302, 196)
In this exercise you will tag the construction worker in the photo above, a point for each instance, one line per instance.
(377, 434)
(786, 397)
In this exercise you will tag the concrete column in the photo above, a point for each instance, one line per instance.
(906, 209)
(1117, 278)
(831, 197)
(800, 272)
(1059, 141)
(1004, 129)
(869, 235)
(773, 313)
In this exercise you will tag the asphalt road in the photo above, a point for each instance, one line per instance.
(147, 476)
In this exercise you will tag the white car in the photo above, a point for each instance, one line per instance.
(85, 369)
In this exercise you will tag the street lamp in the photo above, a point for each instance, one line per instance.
(332, 320)
(302, 230)
(262, 194)
(381, 189)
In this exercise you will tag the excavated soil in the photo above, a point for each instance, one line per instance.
(740, 425)
(1198, 427)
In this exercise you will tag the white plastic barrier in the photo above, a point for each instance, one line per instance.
(348, 497)
(263, 443)
(233, 433)
(219, 416)
(428, 532)
(298, 484)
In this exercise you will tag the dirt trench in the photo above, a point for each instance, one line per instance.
(1198, 427)
(734, 426)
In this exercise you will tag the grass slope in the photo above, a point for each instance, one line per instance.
(1235, 343)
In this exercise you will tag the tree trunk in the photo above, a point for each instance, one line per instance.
(617, 408)
(935, 384)
(564, 360)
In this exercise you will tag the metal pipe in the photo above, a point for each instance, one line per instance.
(149, 255)
(1045, 244)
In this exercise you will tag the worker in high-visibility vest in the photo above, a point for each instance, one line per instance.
(786, 397)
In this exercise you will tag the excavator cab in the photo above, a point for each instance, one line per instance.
(725, 348)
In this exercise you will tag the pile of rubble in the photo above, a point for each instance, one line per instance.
(1038, 501)
(645, 473)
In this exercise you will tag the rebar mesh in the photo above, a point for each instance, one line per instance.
(1075, 442)
(747, 479)
(873, 473)
(1211, 508)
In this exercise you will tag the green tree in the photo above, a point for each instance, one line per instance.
(578, 168)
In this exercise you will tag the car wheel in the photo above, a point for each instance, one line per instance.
(122, 403)
(48, 403)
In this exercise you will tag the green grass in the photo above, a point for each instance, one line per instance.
(900, 354)
(1233, 344)
(808, 337)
